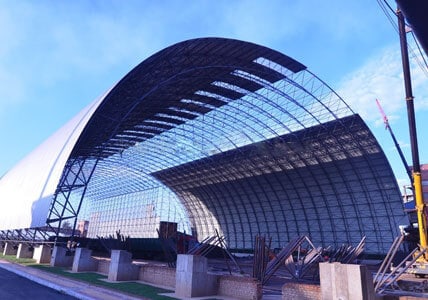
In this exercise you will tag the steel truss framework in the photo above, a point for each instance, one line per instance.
(64, 206)
(30, 236)
(329, 185)
(248, 141)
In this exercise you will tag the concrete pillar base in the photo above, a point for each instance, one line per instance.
(83, 261)
(192, 279)
(121, 267)
(341, 281)
(24, 251)
(10, 249)
(42, 254)
(61, 257)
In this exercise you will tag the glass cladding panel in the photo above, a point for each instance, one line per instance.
(135, 214)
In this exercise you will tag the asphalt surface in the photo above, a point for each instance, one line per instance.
(21, 282)
(13, 286)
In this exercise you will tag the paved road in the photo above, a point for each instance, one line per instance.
(15, 287)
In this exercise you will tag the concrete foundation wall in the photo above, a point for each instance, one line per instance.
(301, 291)
(158, 275)
(61, 257)
(239, 287)
(24, 251)
(83, 261)
(42, 254)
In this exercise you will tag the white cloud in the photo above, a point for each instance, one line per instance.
(288, 21)
(419, 79)
(381, 78)
(52, 42)
(402, 144)
(391, 120)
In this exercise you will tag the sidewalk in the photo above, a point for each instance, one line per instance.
(78, 289)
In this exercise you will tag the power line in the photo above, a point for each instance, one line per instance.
(382, 5)
(389, 11)
(424, 65)
(389, 6)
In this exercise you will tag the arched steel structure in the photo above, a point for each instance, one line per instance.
(248, 141)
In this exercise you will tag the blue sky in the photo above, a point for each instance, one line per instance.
(58, 56)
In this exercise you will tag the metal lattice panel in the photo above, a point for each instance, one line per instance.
(327, 182)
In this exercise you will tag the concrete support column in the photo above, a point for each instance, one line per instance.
(9, 249)
(83, 261)
(341, 281)
(24, 251)
(121, 267)
(192, 279)
(42, 254)
(61, 257)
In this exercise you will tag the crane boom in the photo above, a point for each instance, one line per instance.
(397, 145)
(417, 178)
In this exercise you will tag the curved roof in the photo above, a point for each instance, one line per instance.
(176, 85)
(244, 138)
